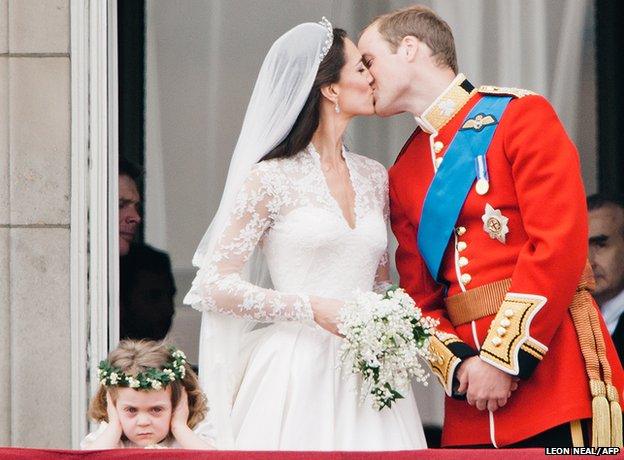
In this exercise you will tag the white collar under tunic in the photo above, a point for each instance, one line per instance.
(611, 311)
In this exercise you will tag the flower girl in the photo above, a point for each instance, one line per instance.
(148, 397)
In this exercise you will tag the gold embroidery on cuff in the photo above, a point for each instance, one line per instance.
(509, 332)
(536, 346)
(532, 352)
(443, 362)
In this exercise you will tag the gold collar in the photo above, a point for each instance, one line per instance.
(446, 105)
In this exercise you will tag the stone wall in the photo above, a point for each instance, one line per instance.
(34, 223)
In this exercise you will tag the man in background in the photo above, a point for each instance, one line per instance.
(606, 254)
(146, 284)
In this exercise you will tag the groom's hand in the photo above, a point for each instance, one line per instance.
(485, 386)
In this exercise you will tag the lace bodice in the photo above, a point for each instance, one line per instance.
(286, 207)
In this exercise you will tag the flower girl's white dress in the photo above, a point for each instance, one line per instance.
(293, 395)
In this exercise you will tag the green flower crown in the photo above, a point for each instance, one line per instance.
(151, 379)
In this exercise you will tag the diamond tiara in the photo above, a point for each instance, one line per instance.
(329, 39)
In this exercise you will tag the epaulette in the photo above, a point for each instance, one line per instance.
(516, 92)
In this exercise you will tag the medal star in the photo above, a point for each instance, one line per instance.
(494, 223)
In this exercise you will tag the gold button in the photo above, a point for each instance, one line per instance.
(461, 245)
(460, 231)
(438, 146)
(501, 331)
(509, 313)
(438, 162)
(463, 261)
(496, 341)
(505, 322)
(466, 278)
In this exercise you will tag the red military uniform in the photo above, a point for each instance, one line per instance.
(539, 247)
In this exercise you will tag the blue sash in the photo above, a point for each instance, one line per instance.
(454, 178)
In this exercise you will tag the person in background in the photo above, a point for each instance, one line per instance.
(146, 284)
(606, 254)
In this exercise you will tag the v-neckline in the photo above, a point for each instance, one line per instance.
(332, 197)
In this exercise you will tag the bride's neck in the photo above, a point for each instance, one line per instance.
(327, 138)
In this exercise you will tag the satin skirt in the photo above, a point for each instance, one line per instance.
(294, 395)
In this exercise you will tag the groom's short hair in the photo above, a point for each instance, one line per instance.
(423, 23)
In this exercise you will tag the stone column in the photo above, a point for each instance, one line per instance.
(34, 223)
(5, 355)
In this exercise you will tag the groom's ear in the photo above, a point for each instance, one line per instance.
(410, 47)
(330, 92)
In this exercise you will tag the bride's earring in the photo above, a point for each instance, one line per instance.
(336, 107)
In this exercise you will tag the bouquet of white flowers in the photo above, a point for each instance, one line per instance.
(384, 336)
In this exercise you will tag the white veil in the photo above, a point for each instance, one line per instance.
(283, 85)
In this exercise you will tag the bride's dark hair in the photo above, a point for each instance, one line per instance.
(308, 120)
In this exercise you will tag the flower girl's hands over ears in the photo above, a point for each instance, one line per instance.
(179, 419)
(186, 437)
(113, 415)
(110, 437)
(327, 313)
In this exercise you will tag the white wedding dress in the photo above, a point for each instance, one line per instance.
(293, 395)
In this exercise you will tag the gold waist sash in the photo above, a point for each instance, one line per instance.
(476, 303)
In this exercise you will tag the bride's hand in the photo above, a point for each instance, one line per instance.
(327, 313)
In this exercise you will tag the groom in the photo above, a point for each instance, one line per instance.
(488, 207)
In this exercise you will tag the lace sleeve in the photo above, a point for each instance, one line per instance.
(382, 276)
(219, 284)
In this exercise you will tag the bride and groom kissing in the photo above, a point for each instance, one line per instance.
(487, 204)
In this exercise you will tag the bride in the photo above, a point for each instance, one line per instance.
(300, 207)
